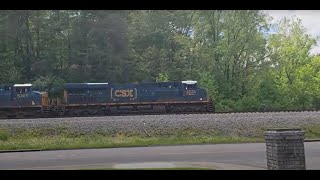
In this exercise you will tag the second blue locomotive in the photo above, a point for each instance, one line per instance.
(105, 98)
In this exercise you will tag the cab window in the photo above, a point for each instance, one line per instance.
(22, 90)
(190, 86)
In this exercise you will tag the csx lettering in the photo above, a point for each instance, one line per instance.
(124, 93)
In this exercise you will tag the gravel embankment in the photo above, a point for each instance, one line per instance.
(239, 124)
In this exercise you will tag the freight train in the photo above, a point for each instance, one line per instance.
(83, 99)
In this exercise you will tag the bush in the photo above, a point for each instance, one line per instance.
(207, 81)
(247, 103)
(266, 105)
(162, 78)
(225, 105)
(316, 103)
(53, 85)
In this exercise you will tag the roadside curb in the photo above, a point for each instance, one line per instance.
(218, 166)
(20, 150)
(311, 140)
(156, 145)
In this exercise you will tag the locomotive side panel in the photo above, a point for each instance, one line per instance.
(124, 93)
(75, 93)
(5, 95)
(98, 93)
(168, 92)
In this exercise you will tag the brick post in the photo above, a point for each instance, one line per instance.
(285, 149)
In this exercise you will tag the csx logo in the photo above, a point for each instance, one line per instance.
(124, 93)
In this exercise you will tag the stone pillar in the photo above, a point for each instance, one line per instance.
(285, 149)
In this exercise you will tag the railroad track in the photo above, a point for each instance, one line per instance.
(175, 113)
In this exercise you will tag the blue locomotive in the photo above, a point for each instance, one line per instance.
(110, 98)
(107, 98)
(19, 100)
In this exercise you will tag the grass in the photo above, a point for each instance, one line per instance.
(63, 139)
(177, 168)
(100, 141)
(4, 134)
(311, 132)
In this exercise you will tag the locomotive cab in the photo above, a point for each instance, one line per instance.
(189, 88)
(192, 92)
(23, 95)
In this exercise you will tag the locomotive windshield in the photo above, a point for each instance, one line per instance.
(22, 89)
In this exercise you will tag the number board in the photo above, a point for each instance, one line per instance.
(21, 96)
(190, 92)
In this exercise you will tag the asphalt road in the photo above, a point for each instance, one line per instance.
(252, 154)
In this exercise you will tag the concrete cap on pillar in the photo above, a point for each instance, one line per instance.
(284, 129)
(284, 133)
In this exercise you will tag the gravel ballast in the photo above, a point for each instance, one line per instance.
(234, 124)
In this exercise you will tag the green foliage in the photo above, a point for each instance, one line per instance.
(267, 90)
(247, 103)
(225, 105)
(162, 78)
(316, 103)
(208, 82)
(53, 85)
(227, 52)
(289, 50)
(8, 73)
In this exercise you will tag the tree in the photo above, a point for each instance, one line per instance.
(289, 52)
